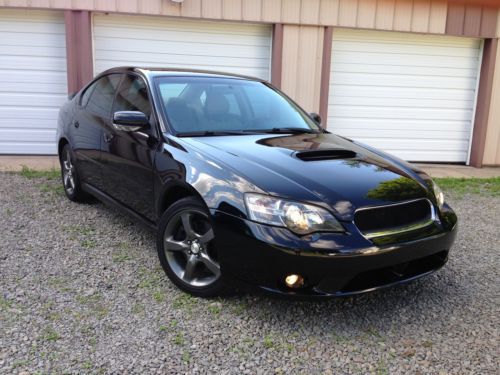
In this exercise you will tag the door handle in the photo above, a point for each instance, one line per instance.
(108, 137)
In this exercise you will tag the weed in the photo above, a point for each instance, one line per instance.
(20, 363)
(89, 243)
(268, 342)
(184, 302)
(50, 335)
(215, 308)
(138, 309)
(179, 339)
(186, 357)
(158, 296)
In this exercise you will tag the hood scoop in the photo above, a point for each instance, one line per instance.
(331, 154)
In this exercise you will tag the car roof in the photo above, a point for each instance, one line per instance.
(162, 72)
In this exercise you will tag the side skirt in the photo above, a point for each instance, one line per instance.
(106, 199)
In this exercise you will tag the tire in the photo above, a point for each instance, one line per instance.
(69, 176)
(186, 249)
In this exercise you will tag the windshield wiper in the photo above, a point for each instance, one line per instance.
(290, 131)
(208, 133)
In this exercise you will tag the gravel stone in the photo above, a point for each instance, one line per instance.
(82, 292)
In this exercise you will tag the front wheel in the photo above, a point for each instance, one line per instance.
(70, 179)
(186, 249)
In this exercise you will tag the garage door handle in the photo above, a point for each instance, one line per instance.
(108, 137)
(76, 124)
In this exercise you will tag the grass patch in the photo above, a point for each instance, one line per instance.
(462, 186)
(184, 302)
(51, 174)
(50, 335)
(51, 188)
(268, 342)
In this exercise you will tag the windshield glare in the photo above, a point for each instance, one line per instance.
(205, 104)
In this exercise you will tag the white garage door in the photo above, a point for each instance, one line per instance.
(408, 94)
(164, 42)
(33, 71)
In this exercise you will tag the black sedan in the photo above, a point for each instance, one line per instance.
(244, 188)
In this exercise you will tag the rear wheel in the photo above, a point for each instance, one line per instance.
(186, 249)
(70, 179)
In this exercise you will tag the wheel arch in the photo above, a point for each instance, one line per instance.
(175, 191)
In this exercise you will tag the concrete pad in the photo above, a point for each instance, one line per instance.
(14, 163)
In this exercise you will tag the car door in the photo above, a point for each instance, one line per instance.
(87, 129)
(128, 156)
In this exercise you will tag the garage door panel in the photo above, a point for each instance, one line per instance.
(389, 37)
(403, 102)
(24, 115)
(432, 155)
(33, 63)
(28, 147)
(31, 99)
(403, 48)
(406, 60)
(400, 69)
(374, 125)
(431, 94)
(34, 80)
(41, 135)
(400, 80)
(415, 135)
(177, 47)
(29, 51)
(186, 35)
(183, 59)
(15, 123)
(389, 112)
(32, 76)
(163, 42)
(415, 144)
(32, 39)
(411, 95)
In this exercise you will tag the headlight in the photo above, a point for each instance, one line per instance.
(298, 217)
(438, 193)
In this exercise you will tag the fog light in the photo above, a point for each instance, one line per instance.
(294, 281)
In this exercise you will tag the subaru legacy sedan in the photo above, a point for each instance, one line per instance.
(244, 188)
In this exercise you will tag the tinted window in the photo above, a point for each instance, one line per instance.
(132, 96)
(86, 94)
(224, 104)
(101, 98)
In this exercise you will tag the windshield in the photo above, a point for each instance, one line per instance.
(201, 105)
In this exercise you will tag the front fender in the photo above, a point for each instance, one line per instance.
(218, 185)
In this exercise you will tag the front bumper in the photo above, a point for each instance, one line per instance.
(332, 264)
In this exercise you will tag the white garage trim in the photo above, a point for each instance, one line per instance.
(408, 94)
(163, 42)
(33, 70)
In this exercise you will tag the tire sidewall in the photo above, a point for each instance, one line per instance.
(77, 194)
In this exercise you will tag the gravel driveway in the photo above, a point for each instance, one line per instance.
(83, 292)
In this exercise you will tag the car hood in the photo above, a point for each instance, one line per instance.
(319, 168)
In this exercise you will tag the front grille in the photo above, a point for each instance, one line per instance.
(395, 218)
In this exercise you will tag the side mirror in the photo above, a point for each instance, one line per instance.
(316, 118)
(130, 121)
